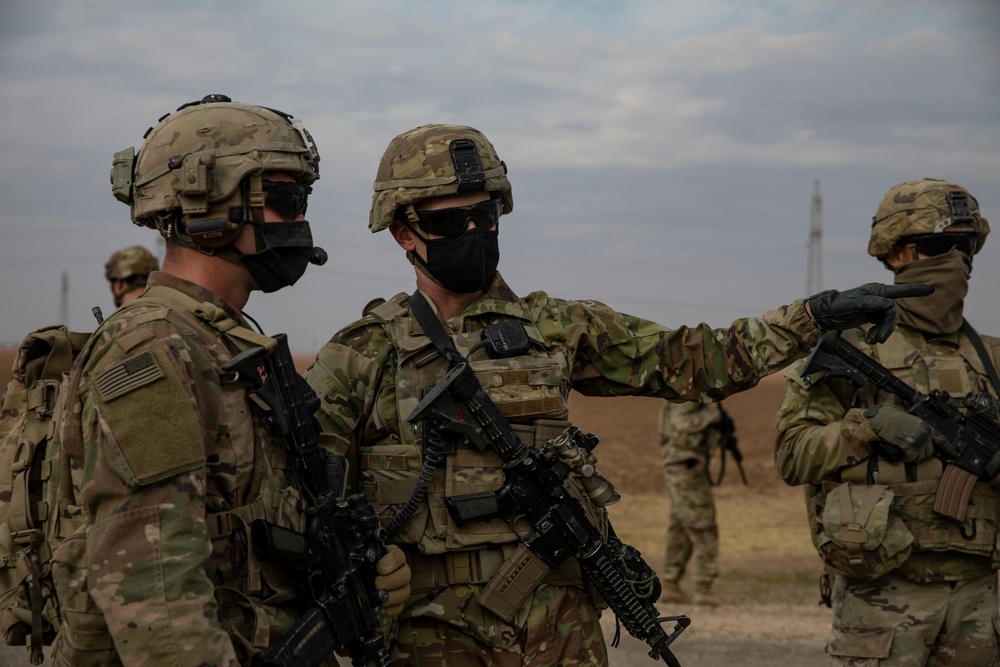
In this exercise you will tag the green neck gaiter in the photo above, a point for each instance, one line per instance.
(941, 312)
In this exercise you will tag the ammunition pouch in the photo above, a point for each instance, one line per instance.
(860, 536)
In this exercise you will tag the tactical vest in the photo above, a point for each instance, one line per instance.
(242, 581)
(530, 391)
(911, 488)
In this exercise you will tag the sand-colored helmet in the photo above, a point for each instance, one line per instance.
(134, 261)
(927, 206)
(433, 161)
(192, 164)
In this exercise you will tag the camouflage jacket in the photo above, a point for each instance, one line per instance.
(687, 431)
(170, 461)
(823, 438)
(370, 377)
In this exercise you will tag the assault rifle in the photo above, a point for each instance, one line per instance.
(535, 489)
(337, 551)
(728, 443)
(972, 435)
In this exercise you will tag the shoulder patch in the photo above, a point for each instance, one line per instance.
(148, 410)
(126, 376)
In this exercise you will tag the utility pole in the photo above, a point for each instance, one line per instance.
(814, 281)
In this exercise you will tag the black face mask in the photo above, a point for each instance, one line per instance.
(464, 264)
(287, 250)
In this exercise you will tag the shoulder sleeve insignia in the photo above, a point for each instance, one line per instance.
(127, 376)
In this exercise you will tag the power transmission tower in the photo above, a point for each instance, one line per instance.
(64, 300)
(814, 281)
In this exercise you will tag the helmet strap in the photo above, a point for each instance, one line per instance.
(253, 206)
(410, 211)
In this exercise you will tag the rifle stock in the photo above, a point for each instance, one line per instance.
(973, 435)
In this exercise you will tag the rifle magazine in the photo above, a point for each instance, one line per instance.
(953, 492)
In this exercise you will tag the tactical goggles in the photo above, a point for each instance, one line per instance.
(452, 222)
(932, 245)
(287, 198)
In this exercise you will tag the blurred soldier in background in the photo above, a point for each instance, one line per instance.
(689, 435)
(127, 270)
(440, 191)
(171, 457)
(912, 586)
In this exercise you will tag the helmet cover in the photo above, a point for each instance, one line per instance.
(927, 206)
(128, 262)
(434, 161)
(194, 160)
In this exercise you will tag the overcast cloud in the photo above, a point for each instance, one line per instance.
(662, 153)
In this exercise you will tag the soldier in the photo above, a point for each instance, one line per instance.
(127, 270)
(689, 434)
(440, 191)
(171, 459)
(914, 587)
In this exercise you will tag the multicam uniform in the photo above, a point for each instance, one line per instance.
(943, 595)
(370, 377)
(688, 437)
(170, 461)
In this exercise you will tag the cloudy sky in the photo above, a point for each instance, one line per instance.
(662, 153)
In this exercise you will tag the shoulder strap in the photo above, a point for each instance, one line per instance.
(977, 343)
(214, 316)
(433, 328)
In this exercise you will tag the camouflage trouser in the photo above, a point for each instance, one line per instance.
(558, 626)
(894, 621)
(692, 528)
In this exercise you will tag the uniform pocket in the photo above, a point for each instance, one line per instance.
(871, 643)
(83, 637)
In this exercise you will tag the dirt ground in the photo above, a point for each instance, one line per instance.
(769, 570)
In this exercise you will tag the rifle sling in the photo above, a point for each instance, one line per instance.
(433, 328)
(977, 343)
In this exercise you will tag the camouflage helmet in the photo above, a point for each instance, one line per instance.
(433, 161)
(128, 262)
(192, 163)
(927, 206)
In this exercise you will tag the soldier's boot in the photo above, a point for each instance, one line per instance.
(703, 594)
(671, 592)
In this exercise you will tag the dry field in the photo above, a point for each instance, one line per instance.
(769, 571)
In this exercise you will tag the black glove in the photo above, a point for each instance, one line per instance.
(872, 302)
(902, 436)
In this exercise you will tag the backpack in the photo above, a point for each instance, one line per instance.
(34, 514)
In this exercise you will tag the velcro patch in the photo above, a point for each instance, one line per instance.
(127, 376)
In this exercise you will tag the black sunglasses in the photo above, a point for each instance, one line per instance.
(933, 245)
(287, 198)
(452, 222)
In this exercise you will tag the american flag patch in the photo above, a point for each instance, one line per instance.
(126, 376)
